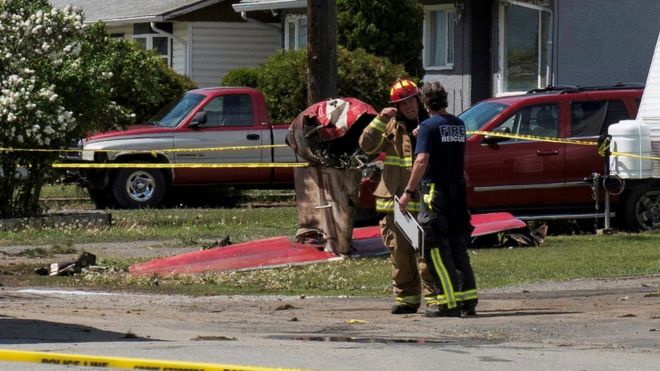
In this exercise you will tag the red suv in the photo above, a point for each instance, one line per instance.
(546, 180)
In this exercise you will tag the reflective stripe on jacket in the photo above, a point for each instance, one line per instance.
(386, 205)
(393, 139)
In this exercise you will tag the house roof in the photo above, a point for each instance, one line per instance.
(131, 11)
(251, 5)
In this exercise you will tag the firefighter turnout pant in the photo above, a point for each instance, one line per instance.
(445, 219)
(410, 276)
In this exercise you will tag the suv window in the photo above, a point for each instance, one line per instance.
(230, 110)
(592, 118)
(480, 114)
(539, 120)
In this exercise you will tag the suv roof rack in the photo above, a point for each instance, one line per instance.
(562, 89)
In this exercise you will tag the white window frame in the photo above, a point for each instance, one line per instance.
(502, 52)
(295, 19)
(150, 45)
(447, 8)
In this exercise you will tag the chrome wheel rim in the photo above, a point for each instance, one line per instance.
(140, 186)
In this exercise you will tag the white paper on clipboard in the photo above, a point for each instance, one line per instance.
(409, 226)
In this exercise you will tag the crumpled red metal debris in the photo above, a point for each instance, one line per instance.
(327, 132)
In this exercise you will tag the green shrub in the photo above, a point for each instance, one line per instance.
(283, 80)
(245, 76)
(366, 76)
(363, 24)
(62, 80)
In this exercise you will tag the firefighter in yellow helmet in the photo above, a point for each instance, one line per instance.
(393, 132)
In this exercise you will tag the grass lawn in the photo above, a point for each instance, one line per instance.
(559, 258)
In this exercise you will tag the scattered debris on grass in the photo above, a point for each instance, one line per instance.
(68, 268)
(217, 243)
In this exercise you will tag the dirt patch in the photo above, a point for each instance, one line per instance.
(624, 315)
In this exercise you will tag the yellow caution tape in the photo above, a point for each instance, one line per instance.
(117, 362)
(642, 157)
(133, 165)
(601, 150)
(154, 152)
(533, 138)
(141, 151)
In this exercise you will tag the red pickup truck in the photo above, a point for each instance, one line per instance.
(202, 118)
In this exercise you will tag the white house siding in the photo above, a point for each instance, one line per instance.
(218, 47)
(458, 87)
(180, 30)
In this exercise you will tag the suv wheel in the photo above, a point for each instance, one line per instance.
(137, 188)
(641, 209)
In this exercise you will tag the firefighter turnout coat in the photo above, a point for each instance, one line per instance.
(393, 139)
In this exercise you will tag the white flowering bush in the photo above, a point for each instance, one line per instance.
(60, 80)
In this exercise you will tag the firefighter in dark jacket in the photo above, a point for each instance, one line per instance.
(444, 214)
(392, 132)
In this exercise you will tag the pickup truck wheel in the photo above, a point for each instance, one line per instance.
(137, 188)
(641, 209)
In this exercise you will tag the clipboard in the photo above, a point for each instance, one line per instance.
(410, 228)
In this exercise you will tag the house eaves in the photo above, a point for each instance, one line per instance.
(252, 5)
(131, 11)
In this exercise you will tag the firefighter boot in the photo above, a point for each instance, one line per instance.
(403, 308)
(435, 310)
(468, 309)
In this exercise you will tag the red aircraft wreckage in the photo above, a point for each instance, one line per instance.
(326, 136)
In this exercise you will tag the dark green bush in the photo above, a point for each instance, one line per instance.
(245, 76)
(391, 29)
(283, 80)
(366, 76)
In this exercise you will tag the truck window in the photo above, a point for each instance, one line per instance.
(172, 114)
(229, 110)
(592, 118)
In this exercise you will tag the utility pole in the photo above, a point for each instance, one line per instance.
(321, 50)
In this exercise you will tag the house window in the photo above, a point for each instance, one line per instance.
(148, 39)
(439, 37)
(525, 34)
(295, 32)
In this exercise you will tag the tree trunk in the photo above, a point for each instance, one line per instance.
(321, 50)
